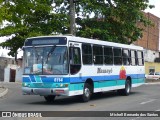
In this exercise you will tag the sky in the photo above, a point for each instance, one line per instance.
(155, 11)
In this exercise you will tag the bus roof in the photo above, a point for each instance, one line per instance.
(94, 41)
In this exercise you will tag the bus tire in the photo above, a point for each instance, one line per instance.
(50, 98)
(86, 93)
(126, 91)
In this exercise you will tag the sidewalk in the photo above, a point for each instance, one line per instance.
(151, 81)
(3, 91)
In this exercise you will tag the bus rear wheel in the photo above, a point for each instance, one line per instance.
(50, 98)
(126, 91)
(86, 93)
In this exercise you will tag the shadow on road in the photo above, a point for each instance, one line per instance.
(59, 100)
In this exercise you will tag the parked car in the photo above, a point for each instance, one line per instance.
(155, 75)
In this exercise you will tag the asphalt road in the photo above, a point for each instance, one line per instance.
(143, 98)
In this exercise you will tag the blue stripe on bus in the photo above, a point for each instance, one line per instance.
(140, 75)
(31, 78)
(47, 79)
(26, 79)
(101, 78)
(51, 79)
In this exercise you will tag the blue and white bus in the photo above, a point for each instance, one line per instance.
(70, 66)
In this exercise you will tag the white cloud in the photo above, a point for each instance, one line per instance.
(156, 10)
(4, 52)
(3, 39)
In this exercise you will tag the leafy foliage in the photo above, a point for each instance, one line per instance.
(114, 20)
(29, 18)
(110, 20)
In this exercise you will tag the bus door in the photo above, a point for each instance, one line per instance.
(75, 62)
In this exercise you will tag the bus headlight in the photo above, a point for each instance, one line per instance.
(25, 84)
(61, 85)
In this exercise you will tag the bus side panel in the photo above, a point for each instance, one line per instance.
(76, 89)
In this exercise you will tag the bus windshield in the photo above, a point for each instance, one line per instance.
(46, 60)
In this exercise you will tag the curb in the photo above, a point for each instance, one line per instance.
(4, 92)
(152, 83)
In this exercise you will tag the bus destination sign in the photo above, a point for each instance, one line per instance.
(46, 41)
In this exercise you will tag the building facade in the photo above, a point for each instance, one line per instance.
(4, 61)
(150, 39)
(13, 67)
(151, 43)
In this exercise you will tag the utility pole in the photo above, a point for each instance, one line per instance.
(72, 18)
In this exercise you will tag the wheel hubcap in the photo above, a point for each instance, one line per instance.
(87, 92)
(128, 88)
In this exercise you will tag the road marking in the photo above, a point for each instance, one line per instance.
(4, 92)
(154, 83)
(142, 103)
(158, 110)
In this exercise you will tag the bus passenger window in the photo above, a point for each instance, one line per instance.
(133, 57)
(140, 58)
(75, 60)
(98, 54)
(108, 55)
(126, 57)
(87, 54)
(117, 56)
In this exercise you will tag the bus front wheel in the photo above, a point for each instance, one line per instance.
(50, 98)
(86, 93)
(126, 91)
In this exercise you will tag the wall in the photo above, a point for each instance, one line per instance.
(18, 77)
(4, 63)
(149, 55)
(1, 74)
(150, 65)
(150, 39)
(7, 75)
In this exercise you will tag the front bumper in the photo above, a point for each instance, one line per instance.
(45, 91)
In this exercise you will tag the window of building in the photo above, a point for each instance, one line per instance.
(151, 70)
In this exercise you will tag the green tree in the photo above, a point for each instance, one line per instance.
(110, 20)
(115, 20)
(28, 18)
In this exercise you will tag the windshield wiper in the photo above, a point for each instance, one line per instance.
(50, 52)
(36, 53)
